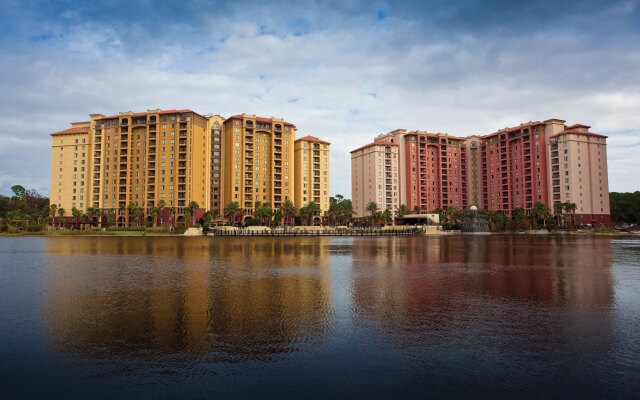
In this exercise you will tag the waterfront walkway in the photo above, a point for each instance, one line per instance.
(301, 233)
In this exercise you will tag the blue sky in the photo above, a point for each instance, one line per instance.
(342, 71)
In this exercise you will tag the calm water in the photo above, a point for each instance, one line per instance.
(452, 316)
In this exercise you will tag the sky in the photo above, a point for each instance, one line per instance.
(342, 71)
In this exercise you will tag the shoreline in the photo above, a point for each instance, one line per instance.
(299, 234)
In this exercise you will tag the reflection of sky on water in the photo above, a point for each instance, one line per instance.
(551, 316)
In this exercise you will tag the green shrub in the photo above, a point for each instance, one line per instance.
(159, 229)
(252, 222)
(131, 228)
(35, 228)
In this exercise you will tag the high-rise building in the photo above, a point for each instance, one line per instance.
(578, 172)
(143, 158)
(513, 167)
(375, 177)
(258, 161)
(546, 162)
(432, 169)
(171, 158)
(70, 168)
(312, 172)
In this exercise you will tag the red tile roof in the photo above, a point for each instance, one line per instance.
(141, 114)
(377, 143)
(566, 131)
(261, 119)
(312, 139)
(71, 131)
(577, 126)
(515, 128)
(436, 135)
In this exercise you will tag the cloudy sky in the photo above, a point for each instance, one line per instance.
(342, 71)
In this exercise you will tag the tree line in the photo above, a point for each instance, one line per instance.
(340, 212)
(540, 216)
(28, 210)
(625, 207)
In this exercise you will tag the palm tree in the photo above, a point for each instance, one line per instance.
(571, 209)
(288, 211)
(61, 212)
(172, 215)
(161, 205)
(372, 207)
(312, 209)
(346, 210)
(277, 216)
(75, 213)
(264, 213)
(334, 209)
(207, 217)
(193, 209)
(137, 213)
(386, 215)
(402, 210)
(92, 213)
(154, 213)
(52, 211)
(540, 211)
(131, 207)
(122, 209)
(231, 211)
(558, 208)
(213, 214)
(417, 209)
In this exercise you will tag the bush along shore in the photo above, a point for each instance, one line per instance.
(28, 213)
(111, 231)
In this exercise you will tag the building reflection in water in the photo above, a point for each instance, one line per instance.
(229, 299)
(463, 285)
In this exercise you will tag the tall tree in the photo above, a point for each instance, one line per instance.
(52, 211)
(172, 216)
(193, 209)
(231, 212)
(161, 205)
(288, 212)
(154, 214)
(372, 207)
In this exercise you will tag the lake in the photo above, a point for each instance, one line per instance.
(500, 316)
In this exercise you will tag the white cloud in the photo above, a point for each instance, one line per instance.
(422, 78)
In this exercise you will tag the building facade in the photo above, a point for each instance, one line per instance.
(258, 162)
(149, 157)
(312, 172)
(513, 168)
(375, 177)
(578, 169)
(170, 158)
(432, 169)
(70, 168)
(215, 127)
